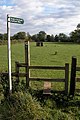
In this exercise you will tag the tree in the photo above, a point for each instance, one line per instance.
(41, 36)
(34, 37)
(1, 36)
(78, 26)
(5, 36)
(19, 35)
(28, 36)
(75, 36)
(48, 38)
(52, 38)
(56, 39)
(62, 37)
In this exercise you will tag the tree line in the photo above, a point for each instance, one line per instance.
(74, 36)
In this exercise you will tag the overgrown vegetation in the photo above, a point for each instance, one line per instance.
(28, 104)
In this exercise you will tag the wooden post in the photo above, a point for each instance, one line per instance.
(66, 77)
(41, 43)
(73, 76)
(17, 71)
(27, 61)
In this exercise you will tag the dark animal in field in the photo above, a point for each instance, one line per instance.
(55, 53)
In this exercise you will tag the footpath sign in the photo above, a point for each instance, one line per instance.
(11, 20)
(16, 20)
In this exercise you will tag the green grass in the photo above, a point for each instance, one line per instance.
(17, 55)
(42, 56)
(22, 105)
(33, 105)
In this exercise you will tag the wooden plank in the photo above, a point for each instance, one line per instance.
(15, 74)
(47, 67)
(5, 73)
(19, 74)
(47, 79)
(77, 68)
(47, 88)
(41, 67)
(77, 79)
(66, 77)
(77, 90)
(22, 64)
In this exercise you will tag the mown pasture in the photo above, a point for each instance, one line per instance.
(42, 56)
(33, 105)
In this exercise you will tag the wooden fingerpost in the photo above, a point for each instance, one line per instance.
(17, 72)
(27, 61)
(73, 76)
(66, 77)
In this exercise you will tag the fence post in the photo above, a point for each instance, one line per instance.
(27, 61)
(17, 71)
(66, 77)
(73, 76)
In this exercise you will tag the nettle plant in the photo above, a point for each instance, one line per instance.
(4, 85)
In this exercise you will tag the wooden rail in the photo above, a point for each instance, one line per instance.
(47, 79)
(28, 67)
(14, 74)
(17, 74)
(77, 68)
(40, 67)
(47, 67)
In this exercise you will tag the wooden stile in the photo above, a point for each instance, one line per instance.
(47, 81)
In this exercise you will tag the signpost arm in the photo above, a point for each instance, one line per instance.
(9, 53)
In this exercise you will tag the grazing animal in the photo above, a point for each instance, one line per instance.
(55, 53)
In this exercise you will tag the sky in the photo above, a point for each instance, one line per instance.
(51, 16)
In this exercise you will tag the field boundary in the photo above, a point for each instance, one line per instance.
(28, 67)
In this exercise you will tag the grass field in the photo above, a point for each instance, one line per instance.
(42, 56)
(33, 105)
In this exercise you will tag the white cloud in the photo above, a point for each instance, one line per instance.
(52, 16)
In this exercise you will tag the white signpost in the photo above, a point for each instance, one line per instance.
(11, 20)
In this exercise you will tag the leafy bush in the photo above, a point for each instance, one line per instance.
(4, 83)
(20, 106)
(28, 104)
